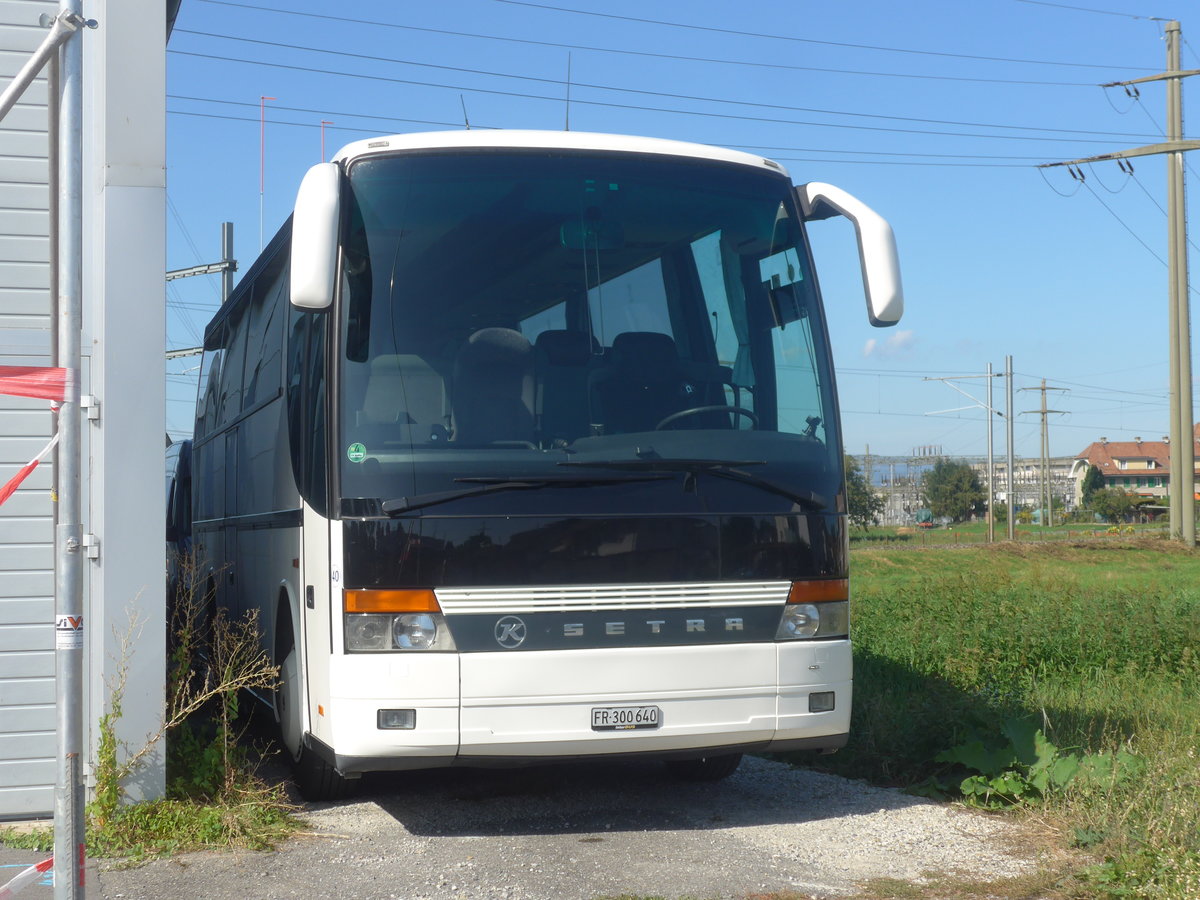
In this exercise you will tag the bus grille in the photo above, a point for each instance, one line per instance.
(612, 596)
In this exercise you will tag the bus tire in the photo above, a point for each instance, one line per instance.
(315, 778)
(706, 768)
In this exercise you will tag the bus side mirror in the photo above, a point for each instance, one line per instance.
(315, 237)
(876, 247)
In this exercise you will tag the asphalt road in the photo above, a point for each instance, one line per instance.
(587, 831)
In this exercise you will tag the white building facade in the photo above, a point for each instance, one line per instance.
(121, 372)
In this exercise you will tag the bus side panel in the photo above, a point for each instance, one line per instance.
(806, 667)
(315, 621)
(540, 704)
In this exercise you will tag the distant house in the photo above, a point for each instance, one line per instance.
(1137, 466)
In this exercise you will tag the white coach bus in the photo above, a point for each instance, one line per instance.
(525, 446)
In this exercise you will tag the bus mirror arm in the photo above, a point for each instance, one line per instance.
(315, 237)
(876, 247)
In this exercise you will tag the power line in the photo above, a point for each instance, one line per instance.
(319, 112)
(1097, 387)
(760, 147)
(784, 37)
(1113, 213)
(646, 53)
(187, 236)
(558, 82)
(1103, 12)
(1018, 161)
(629, 106)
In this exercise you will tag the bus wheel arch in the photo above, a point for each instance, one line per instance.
(316, 778)
(289, 696)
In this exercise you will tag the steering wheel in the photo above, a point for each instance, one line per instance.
(697, 410)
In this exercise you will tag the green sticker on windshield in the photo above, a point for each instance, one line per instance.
(356, 452)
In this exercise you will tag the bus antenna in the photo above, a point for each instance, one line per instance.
(466, 121)
(567, 123)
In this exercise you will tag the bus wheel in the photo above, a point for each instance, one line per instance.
(316, 779)
(706, 768)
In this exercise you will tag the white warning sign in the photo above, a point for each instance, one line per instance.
(68, 632)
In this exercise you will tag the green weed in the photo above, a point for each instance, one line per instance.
(214, 798)
(1095, 645)
(1028, 768)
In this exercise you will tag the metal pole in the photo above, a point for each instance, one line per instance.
(1182, 441)
(1044, 492)
(1012, 475)
(227, 258)
(61, 29)
(1173, 175)
(991, 486)
(69, 628)
(53, 91)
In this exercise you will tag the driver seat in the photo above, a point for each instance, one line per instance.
(641, 384)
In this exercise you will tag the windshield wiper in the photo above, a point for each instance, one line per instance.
(722, 468)
(489, 484)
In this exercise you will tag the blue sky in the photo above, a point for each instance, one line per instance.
(934, 113)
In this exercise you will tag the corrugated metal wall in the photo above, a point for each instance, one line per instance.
(27, 716)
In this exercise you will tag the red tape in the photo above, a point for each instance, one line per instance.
(25, 878)
(15, 482)
(44, 382)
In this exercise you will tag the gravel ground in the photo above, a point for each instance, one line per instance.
(565, 832)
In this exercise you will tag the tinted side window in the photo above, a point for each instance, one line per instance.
(264, 341)
(315, 395)
(297, 352)
(306, 404)
(208, 400)
(231, 370)
(209, 460)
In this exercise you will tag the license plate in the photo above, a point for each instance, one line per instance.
(625, 718)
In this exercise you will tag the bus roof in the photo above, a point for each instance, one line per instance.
(566, 140)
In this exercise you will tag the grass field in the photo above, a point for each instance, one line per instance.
(1096, 643)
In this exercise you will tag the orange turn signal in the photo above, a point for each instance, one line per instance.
(819, 591)
(410, 601)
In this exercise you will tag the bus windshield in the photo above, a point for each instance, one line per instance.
(537, 314)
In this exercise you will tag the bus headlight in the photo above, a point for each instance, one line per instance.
(394, 620)
(816, 609)
(373, 632)
(814, 620)
(414, 632)
(368, 632)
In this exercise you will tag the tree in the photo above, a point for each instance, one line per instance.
(863, 504)
(953, 489)
(1093, 480)
(1114, 504)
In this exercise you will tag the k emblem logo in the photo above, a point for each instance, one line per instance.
(510, 632)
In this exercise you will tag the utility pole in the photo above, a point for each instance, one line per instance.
(1012, 475)
(1182, 483)
(1045, 494)
(991, 518)
(990, 410)
(226, 266)
(892, 490)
